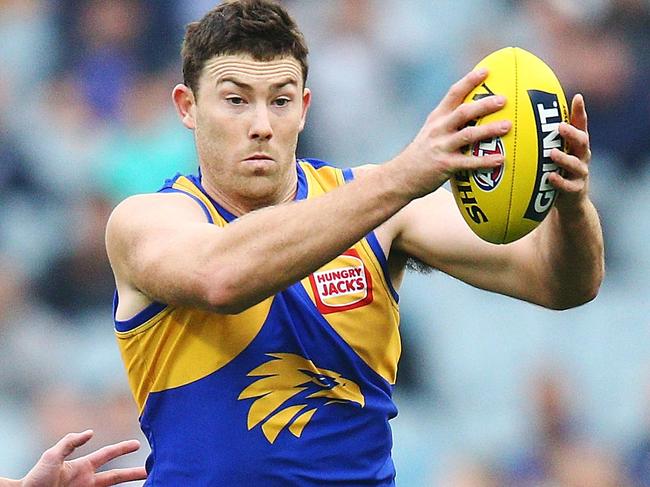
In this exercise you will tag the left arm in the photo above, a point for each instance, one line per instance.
(559, 265)
(571, 243)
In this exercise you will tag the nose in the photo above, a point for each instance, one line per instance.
(260, 128)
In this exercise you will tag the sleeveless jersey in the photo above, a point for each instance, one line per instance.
(294, 391)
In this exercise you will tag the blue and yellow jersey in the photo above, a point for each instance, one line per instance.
(294, 391)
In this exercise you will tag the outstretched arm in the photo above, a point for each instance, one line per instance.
(559, 265)
(52, 470)
(570, 244)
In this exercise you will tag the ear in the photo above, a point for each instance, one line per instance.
(306, 101)
(185, 104)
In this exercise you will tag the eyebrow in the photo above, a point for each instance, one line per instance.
(246, 86)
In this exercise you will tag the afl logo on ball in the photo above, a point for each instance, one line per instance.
(488, 179)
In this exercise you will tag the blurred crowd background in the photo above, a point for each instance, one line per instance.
(491, 392)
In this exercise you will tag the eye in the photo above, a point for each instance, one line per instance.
(281, 102)
(235, 100)
(324, 381)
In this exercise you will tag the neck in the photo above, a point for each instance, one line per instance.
(259, 193)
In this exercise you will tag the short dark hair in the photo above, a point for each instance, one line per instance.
(262, 29)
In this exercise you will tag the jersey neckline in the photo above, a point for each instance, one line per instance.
(301, 192)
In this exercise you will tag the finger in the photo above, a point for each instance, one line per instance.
(109, 452)
(120, 475)
(566, 185)
(459, 90)
(66, 445)
(579, 112)
(461, 162)
(467, 112)
(473, 134)
(574, 167)
(577, 140)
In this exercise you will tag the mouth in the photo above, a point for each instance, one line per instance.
(259, 157)
(259, 164)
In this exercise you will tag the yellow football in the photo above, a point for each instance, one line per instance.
(504, 204)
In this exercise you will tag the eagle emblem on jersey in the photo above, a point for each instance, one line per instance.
(291, 390)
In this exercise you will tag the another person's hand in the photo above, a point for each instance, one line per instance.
(52, 470)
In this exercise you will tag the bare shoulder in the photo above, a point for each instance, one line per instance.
(136, 233)
(142, 217)
(139, 213)
(144, 206)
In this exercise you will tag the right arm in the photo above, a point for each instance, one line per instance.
(161, 247)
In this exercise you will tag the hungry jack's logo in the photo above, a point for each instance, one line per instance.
(343, 284)
(290, 391)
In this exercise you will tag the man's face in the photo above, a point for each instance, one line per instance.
(247, 117)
